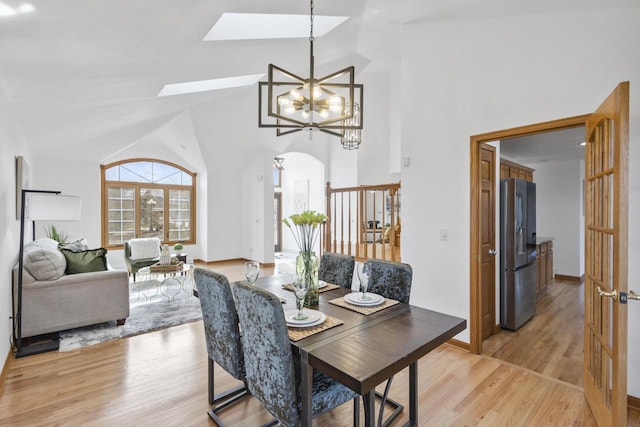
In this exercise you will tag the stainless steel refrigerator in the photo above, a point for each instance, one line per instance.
(517, 252)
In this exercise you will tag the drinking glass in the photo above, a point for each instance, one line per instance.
(251, 271)
(300, 288)
(363, 272)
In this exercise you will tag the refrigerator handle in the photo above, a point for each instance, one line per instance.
(521, 241)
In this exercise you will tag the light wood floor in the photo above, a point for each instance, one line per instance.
(159, 378)
(551, 343)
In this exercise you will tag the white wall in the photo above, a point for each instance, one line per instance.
(12, 144)
(257, 210)
(225, 141)
(375, 162)
(342, 169)
(559, 212)
(300, 167)
(472, 76)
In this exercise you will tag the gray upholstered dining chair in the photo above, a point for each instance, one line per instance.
(336, 269)
(391, 280)
(222, 336)
(273, 373)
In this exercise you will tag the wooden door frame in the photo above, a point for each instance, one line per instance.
(476, 141)
(278, 245)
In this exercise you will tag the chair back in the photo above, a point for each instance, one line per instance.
(143, 248)
(390, 279)
(220, 321)
(336, 269)
(269, 364)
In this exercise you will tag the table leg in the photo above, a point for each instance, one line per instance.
(413, 394)
(369, 399)
(306, 380)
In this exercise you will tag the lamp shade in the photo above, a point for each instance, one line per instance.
(53, 207)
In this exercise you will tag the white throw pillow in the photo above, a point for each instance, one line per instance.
(43, 260)
(145, 248)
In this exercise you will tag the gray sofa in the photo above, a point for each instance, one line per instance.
(53, 301)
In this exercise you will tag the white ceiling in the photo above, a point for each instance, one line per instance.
(558, 146)
(81, 76)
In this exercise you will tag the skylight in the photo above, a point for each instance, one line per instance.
(206, 85)
(246, 26)
(6, 10)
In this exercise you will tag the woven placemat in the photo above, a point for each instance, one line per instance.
(362, 309)
(329, 287)
(296, 334)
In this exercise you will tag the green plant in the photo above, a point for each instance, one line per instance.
(307, 228)
(177, 247)
(53, 233)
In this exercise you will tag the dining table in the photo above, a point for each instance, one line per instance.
(363, 347)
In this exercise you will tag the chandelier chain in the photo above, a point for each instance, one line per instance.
(311, 19)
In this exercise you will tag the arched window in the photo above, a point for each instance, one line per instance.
(147, 198)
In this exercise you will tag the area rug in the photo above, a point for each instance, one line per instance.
(153, 306)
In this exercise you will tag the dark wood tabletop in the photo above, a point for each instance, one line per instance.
(366, 350)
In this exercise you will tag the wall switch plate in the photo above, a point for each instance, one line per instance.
(444, 235)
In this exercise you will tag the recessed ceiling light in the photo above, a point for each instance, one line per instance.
(207, 85)
(248, 26)
(583, 143)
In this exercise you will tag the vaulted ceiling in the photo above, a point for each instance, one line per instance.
(83, 76)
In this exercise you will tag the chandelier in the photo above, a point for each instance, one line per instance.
(351, 135)
(331, 104)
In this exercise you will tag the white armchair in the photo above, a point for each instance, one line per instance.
(140, 253)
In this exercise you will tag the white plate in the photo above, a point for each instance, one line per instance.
(313, 317)
(355, 298)
(321, 284)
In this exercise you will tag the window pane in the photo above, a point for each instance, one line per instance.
(120, 214)
(148, 172)
(134, 174)
(139, 210)
(151, 213)
(179, 215)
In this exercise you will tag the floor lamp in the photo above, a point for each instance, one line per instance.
(41, 205)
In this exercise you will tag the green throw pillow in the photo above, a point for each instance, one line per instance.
(85, 261)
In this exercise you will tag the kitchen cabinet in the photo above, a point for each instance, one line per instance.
(544, 262)
(509, 169)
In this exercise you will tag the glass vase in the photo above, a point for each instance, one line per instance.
(165, 256)
(307, 264)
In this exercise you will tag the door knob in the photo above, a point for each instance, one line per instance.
(613, 294)
(493, 252)
(633, 295)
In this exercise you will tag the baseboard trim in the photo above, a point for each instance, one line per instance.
(5, 369)
(460, 344)
(633, 403)
(568, 278)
